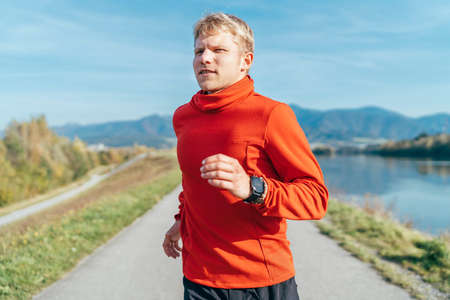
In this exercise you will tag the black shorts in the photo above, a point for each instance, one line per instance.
(286, 290)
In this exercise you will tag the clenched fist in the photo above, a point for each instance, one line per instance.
(226, 172)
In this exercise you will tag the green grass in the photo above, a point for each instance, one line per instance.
(41, 254)
(377, 238)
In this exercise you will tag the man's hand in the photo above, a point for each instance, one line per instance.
(170, 244)
(225, 172)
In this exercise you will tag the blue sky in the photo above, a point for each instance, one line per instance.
(95, 61)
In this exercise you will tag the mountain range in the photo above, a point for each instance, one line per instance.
(154, 131)
(323, 126)
(367, 122)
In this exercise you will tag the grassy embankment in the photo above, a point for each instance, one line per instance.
(38, 250)
(371, 234)
(34, 160)
(56, 191)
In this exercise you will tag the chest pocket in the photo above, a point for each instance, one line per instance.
(235, 149)
(257, 161)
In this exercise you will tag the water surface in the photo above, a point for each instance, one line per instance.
(417, 190)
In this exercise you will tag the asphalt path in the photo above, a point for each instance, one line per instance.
(95, 179)
(132, 265)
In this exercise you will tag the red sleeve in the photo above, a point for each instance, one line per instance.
(180, 206)
(181, 195)
(301, 193)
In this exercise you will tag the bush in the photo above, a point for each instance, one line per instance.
(436, 253)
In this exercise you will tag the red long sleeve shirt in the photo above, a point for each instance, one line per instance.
(228, 243)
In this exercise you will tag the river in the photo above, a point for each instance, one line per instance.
(417, 190)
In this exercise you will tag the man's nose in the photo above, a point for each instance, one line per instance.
(206, 56)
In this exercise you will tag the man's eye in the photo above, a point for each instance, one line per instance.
(220, 50)
(197, 52)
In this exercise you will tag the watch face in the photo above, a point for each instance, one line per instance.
(257, 184)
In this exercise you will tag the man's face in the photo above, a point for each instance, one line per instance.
(218, 61)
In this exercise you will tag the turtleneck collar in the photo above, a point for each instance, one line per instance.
(220, 100)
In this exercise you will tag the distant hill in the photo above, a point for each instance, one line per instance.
(368, 122)
(320, 126)
(434, 146)
(154, 131)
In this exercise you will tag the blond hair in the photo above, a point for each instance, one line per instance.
(215, 22)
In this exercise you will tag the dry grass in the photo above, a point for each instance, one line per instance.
(55, 192)
(388, 240)
(135, 175)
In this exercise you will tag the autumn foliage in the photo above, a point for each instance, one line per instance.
(435, 146)
(33, 160)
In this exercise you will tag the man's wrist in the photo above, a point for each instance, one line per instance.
(258, 190)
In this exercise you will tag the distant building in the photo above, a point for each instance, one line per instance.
(97, 147)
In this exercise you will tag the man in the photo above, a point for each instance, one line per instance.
(246, 168)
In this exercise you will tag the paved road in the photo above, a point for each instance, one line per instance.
(95, 179)
(133, 266)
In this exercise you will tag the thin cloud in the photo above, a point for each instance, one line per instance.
(319, 54)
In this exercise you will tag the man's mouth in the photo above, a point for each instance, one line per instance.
(205, 71)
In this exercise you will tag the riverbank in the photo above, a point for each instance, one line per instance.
(423, 146)
(38, 250)
(436, 147)
(394, 249)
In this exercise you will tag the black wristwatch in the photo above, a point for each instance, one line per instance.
(257, 187)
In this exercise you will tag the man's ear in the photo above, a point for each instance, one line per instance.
(246, 62)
